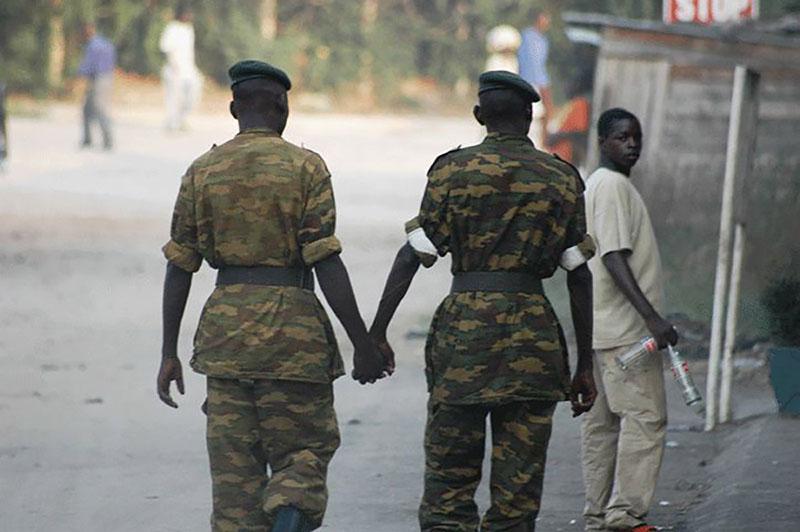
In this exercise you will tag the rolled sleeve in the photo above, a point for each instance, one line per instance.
(321, 249)
(316, 235)
(575, 256)
(420, 243)
(579, 246)
(182, 248)
(183, 257)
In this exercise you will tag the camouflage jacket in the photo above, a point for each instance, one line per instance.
(500, 206)
(258, 200)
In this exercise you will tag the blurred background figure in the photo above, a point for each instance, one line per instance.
(502, 44)
(97, 66)
(181, 78)
(533, 52)
(571, 122)
(3, 135)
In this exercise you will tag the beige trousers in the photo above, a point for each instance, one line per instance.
(623, 441)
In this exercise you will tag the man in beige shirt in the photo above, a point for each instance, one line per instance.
(623, 435)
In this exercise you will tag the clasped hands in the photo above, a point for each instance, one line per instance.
(373, 359)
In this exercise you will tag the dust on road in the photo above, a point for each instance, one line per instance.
(84, 443)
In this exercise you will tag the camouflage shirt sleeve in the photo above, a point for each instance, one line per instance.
(432, 216)
(579, 246)
(182, 249)
(316, 235)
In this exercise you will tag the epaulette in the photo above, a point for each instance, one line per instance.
(213, 146)
(439, 158)
(581, 185)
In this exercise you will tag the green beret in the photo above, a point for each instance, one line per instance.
(502, 79)
(253, 69)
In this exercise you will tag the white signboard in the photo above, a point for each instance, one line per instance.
(709, 11)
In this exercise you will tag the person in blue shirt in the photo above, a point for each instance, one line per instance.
(97, 66)
(532, 56)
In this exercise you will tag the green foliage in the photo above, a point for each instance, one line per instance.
(325, 45)
(782, 301)
(23, 60)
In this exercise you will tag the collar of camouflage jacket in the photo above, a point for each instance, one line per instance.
(495, 136)
(259, 131)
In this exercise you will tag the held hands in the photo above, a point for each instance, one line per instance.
(372, 361)
(583, 391)
(663, 331)
(386, 351)
(170, 370)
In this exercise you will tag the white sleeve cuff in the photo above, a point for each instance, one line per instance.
(420, 242)
(572, 258)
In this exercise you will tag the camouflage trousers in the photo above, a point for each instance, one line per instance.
(454, 448)
(287, 426)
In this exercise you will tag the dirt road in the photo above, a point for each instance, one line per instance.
(84, 443)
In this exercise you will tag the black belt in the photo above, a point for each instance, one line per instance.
(266, 275)
(496, 282)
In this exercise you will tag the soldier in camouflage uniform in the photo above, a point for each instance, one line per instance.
(509, 215)
(261, 211)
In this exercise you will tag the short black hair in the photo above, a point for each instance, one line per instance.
(184, 7)
(503, 105)
(261, 94)
(607, 119)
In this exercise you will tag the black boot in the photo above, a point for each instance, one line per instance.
(290, 519)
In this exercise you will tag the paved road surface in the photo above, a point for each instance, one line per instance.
(84, 443)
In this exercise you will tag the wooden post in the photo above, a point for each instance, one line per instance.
(745, 158)
(738, 162)
(725, 410)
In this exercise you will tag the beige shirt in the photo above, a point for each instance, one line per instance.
(618, 221)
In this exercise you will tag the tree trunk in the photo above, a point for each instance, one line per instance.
(366, 85)
(269, 19)
(57, 49)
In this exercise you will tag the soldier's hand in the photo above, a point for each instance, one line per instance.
(386, 352)
(368, 363)
(583, 392)
(663, 332)
(170, 370)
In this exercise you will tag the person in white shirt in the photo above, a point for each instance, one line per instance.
(182, 81)
(623, 435)
(502, 43)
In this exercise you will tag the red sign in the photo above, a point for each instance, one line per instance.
(709, 11)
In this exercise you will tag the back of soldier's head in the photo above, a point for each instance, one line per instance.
(261, 95)
(504, 106)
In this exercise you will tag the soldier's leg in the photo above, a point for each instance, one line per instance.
(639, 400)
(238, 475)
(599, 434)
(520, 434)
(454, 446)
(299, 428)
